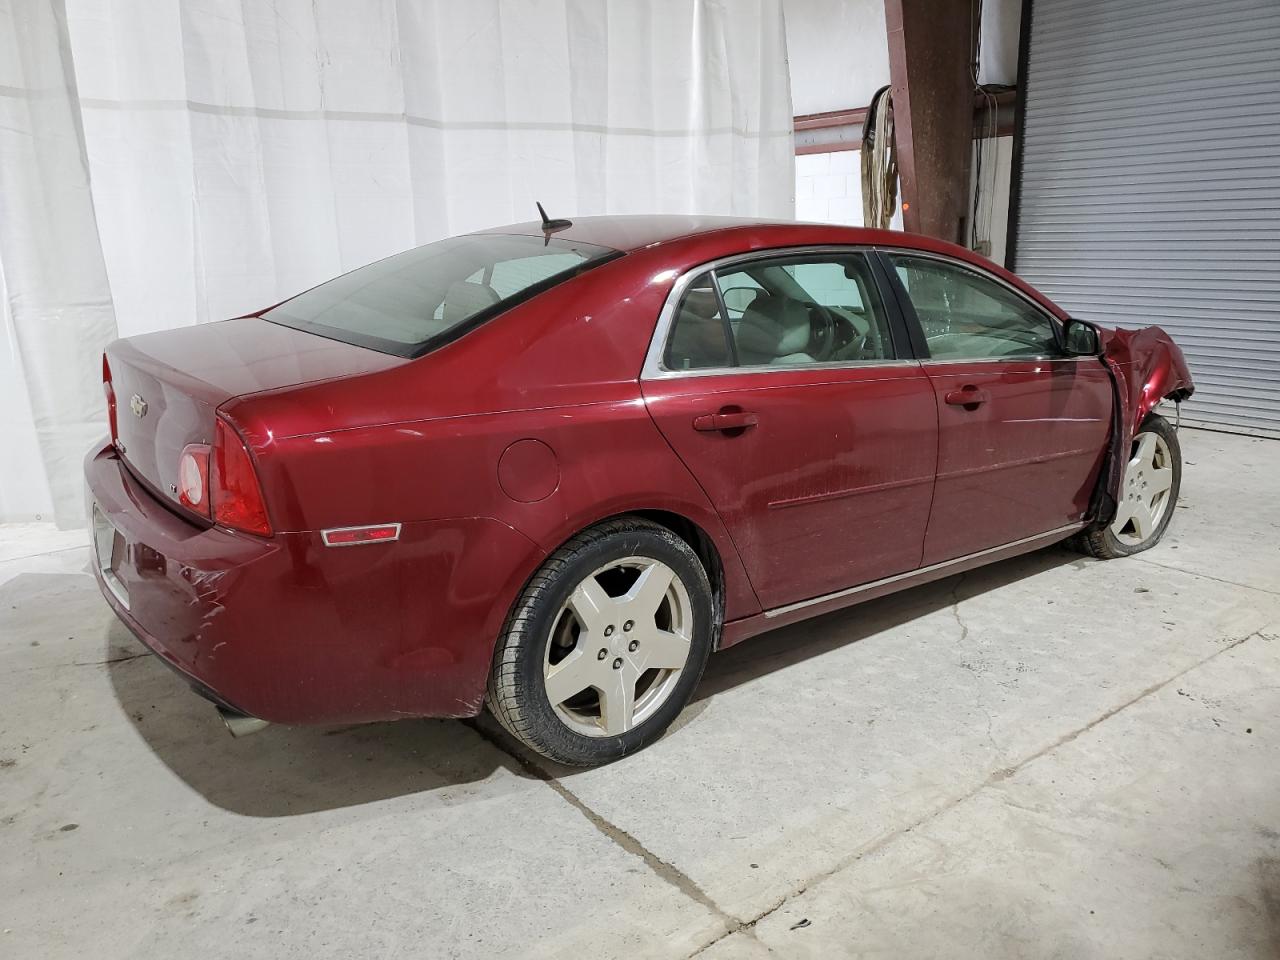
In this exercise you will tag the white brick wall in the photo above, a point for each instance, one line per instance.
(829, 188)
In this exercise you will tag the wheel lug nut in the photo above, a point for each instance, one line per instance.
(633, 645)
(602, 654)
(608, 631)
(628, 625)
(617, 664)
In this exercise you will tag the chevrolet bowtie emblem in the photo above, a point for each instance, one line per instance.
(138, 406)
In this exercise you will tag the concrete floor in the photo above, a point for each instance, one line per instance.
(1049, 757)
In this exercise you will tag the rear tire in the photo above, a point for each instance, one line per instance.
(1148, 495)
(606, 644)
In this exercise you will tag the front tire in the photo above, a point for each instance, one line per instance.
(606, 644)
(1148, 495)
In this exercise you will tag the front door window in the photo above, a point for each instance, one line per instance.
(966, 316)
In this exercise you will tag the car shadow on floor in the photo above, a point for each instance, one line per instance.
(286, 771)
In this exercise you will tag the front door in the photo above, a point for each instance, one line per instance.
(1022, 429)
(779, 386)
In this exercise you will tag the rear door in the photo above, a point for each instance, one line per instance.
(784, 384)
(1023, 429)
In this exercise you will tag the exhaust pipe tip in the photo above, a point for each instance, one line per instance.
(240, 725)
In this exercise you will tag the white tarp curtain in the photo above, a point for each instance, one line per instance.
(165, 163)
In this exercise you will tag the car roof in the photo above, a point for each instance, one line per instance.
(700, 238)
(636, 231)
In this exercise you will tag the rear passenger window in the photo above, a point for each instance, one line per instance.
(815, 309)
(698, 338)
(782, 312)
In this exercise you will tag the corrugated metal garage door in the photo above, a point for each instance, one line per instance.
(1151, 183)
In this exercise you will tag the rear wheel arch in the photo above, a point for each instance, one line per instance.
(701, 543)
(518, 695)
(719, 560)
(688, 530)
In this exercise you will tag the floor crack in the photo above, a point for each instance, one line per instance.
(45, 553)
(1205, 576)
(955, 611)
(956, 600)
(667, 872)
(995, 777)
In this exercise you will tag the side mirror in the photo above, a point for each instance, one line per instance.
(1081, 338)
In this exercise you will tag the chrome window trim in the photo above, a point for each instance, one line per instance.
(1054, 323)
(654, 369)
(665, 374)
(1038, 358)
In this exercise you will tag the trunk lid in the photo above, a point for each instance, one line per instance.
(169, 385)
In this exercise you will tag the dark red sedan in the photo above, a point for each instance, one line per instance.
(552, 467)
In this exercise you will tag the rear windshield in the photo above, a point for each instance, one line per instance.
(411, 303)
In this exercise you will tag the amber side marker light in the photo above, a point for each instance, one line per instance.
(354, 536)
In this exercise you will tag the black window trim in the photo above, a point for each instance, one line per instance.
(723, 309)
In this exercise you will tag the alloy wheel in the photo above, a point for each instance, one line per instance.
(618, 646)
(1144, 500)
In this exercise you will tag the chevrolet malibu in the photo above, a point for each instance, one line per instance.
(549, 468)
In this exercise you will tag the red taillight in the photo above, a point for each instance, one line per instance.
(111, 398)
(193, 478)
(234, 491)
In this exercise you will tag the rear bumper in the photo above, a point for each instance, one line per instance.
(291, 631)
